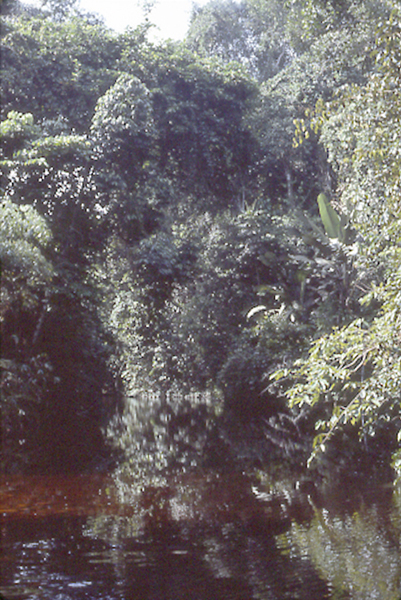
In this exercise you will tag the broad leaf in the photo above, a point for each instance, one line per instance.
(330, 218)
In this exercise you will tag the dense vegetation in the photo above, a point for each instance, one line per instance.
(200, 238)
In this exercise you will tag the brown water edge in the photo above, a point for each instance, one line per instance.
(38, 496)
(195, 497)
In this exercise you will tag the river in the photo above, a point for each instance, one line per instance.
(201, 534)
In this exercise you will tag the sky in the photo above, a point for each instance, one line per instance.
(170, 16)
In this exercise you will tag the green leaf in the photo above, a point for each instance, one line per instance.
(330, 218)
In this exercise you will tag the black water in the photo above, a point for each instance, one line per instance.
(197, 536)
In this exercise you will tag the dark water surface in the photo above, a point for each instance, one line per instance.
(201, 535)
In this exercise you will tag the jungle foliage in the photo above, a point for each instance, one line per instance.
(200, 233)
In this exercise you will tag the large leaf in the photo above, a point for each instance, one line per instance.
(330, 218)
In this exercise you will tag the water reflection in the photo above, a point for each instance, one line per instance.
(358, 553)
(202, 535)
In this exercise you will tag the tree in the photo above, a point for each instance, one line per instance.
(56, 352)
(199, 108)
(39, 77)
(250, 32)
(198, 138)
(327, 54)
(353, 373)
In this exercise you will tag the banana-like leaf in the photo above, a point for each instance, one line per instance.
(255, 310)
(330, 218)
